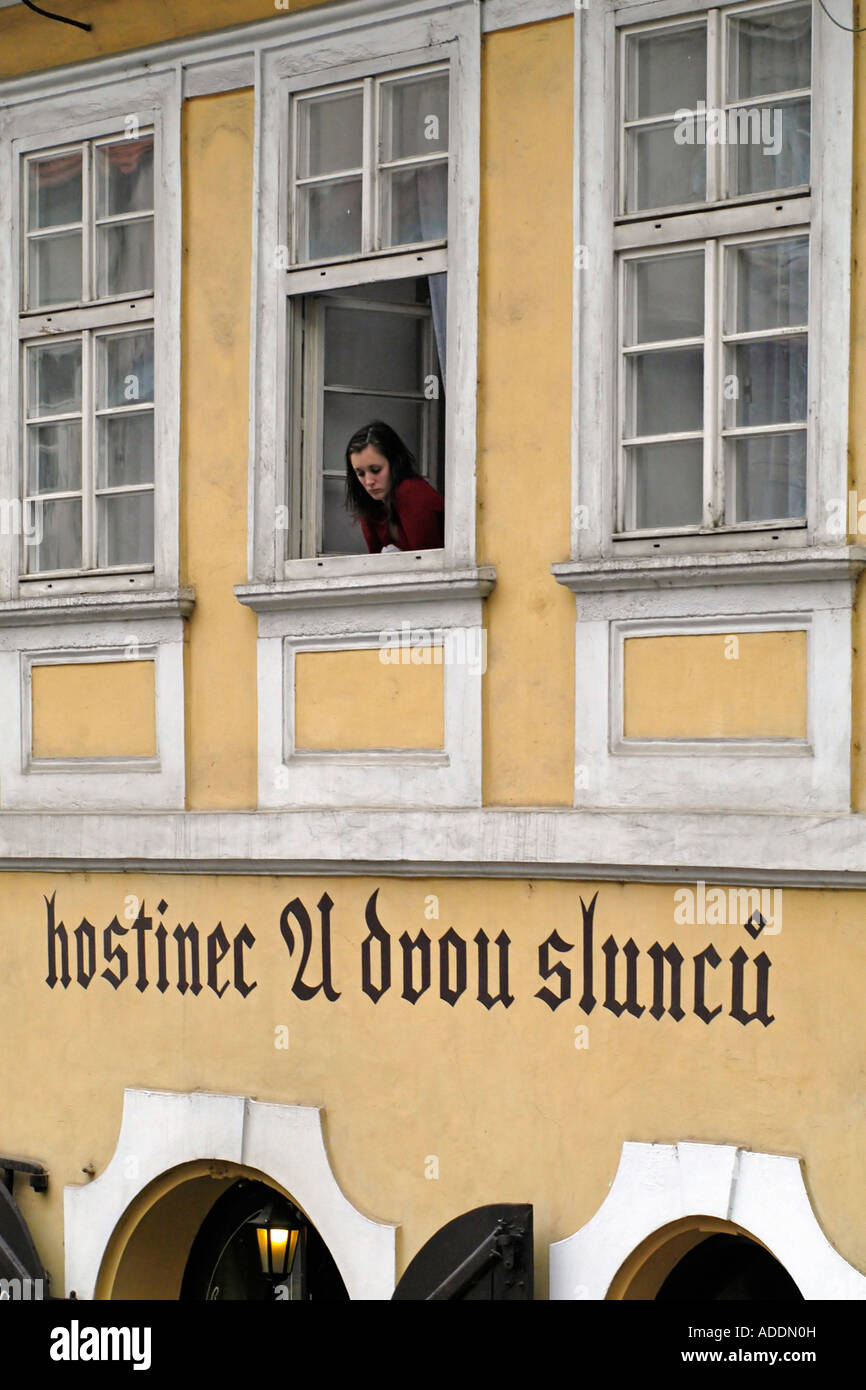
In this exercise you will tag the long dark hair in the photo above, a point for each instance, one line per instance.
(402, 465)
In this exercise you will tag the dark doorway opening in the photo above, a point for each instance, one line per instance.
(725, 1268)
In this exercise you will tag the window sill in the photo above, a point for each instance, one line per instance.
(341, 588)
(96, 606)
(812, 564)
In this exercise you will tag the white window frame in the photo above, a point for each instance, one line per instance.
(71, 114)
(600, 232)
(423, 32)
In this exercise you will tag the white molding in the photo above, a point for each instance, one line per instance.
(620, 575)
(84, 113)
(715, 774)
(448, 777)
(657, 1184)
(508, 14)
(334, 590)
(162, 1130)
(90, 784)
(208, 75)
(96, 606)
(645, 846)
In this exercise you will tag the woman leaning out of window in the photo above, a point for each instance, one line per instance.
(397, 508)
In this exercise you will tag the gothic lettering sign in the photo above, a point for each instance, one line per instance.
(588, 966)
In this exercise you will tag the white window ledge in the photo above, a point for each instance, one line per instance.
(96, 607)
(813, 565)
(332, 589)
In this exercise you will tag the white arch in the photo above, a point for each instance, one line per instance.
(659, 1183)
(161, 1129)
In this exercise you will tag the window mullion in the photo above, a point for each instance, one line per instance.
(713, 389)
(87, 224)
(715, 102)
(88, 432)
(370, 230)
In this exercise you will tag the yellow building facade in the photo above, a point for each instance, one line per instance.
(524, 871)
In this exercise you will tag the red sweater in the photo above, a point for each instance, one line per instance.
(420, 519)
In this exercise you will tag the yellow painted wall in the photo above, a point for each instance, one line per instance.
(524, 412)
(96, 709)
(735, 685)
(29, 41)
(507, 1103)
(220, 665)
(353, 700)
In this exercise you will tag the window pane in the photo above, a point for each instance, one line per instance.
(374, 349)
(769, 379)
(124, 257)
(59, 529)
(664, 484)
(665, 298)
(765, 477)
(125, 529)
(124, 368)
(662, 169)
(767, 285)
(345, 414)
(330, 133)
(768, 147)
(54, 457)
(415, 116)
(330, 219)
(666, 71)
(54, 270)
(54, 190)
(342, 535)
(769, 51)
(418, 200)
(124, 449)
(124, 177)
(54, 379)
(665, 392)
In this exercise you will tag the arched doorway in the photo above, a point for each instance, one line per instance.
(703, 1258)
(256, 1245)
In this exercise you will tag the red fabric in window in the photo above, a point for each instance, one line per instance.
(420, 519)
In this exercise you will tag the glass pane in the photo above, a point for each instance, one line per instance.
(54, 190)
(419, 204)
(766, 383)
(664, 485)
(665, 298)
(345, 414)
(124, 257)
(666, 71)
(663, 169)
(415, 116)
(125, 529)
(768, 147)
(769, 51)
(54, 379)
(665, 392)
(124, 177)
(124, 368)
(54, 457)
(54, 270)
(765, 477)
(124, 449)
(342, 535)
(330, 219)
(767, 285)
(330, 133)
(58, 532)
(374, 349)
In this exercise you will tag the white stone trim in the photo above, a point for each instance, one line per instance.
(87, 784)
(371, 778)
(715, 774)
(162, 1129)
(656, 1184)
